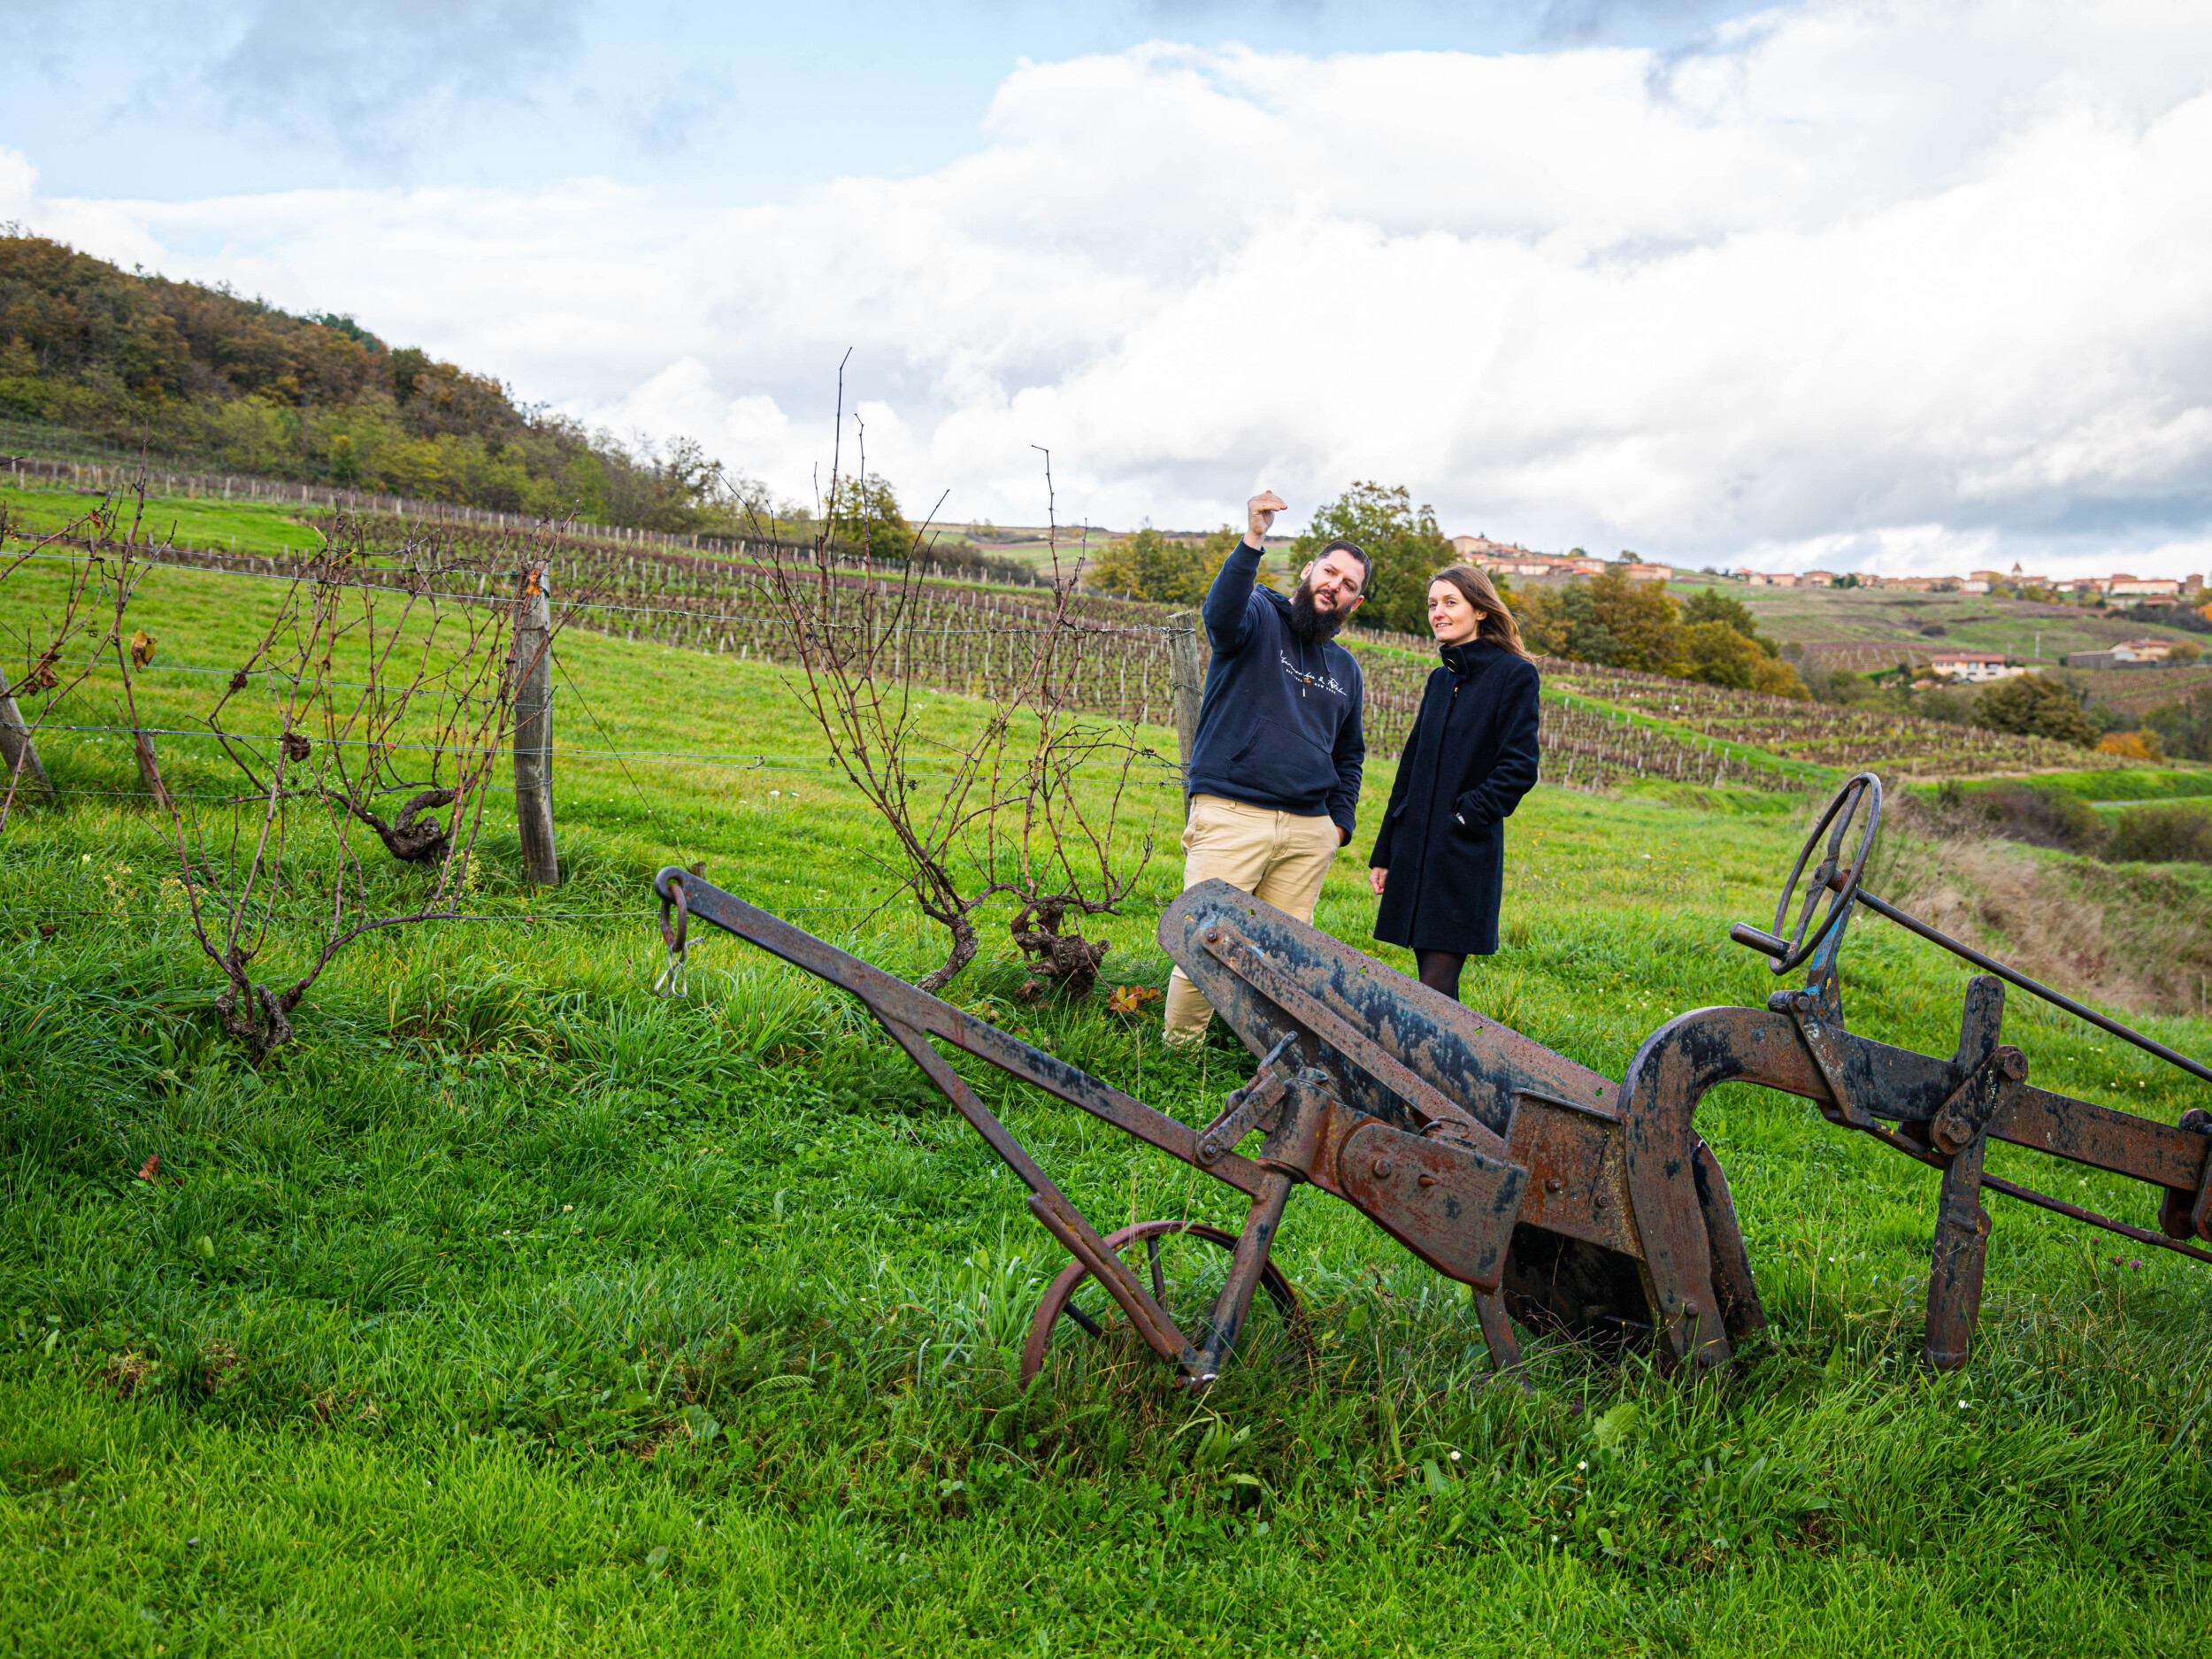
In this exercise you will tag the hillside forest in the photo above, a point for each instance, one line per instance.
(205, 375)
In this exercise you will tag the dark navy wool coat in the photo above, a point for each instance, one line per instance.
(1468, 761)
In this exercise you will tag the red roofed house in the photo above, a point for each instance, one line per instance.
(1972, 666)
(2129, 590)
(1474, 549)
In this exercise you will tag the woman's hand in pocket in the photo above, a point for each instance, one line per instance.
(1375, 879)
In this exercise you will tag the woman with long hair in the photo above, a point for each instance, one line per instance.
(1439, 863)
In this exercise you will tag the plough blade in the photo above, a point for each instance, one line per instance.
(1491, 1157)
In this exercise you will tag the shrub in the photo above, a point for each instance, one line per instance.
(2184, 726)
(1837, 685)
(2034, 705)
(2138, 745)
(2040, 818)
(2162, 835)
(1953, 706)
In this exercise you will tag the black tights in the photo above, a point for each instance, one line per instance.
(1439, 970)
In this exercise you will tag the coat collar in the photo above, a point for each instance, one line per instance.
(1471, 657)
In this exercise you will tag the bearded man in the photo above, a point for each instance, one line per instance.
(1274, 774)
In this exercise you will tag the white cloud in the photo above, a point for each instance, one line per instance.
(1909, 284)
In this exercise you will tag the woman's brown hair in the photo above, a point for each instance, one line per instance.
(1475, 588)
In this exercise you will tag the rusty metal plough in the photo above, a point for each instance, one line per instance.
(1568, 1200)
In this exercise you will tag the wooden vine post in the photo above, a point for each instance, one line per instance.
(533, 669)
(18, 754)
(1189, 685)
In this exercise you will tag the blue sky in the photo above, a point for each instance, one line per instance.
(1899, 284)
(732, 103)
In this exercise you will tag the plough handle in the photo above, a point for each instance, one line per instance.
(1754, 939)
(2057, 999)
(893, 999)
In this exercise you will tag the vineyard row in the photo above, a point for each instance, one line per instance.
(1113, 660)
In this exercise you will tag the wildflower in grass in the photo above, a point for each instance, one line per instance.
(1128, 999)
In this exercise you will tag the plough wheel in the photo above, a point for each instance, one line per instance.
(1059, 1297)
(1837, 874)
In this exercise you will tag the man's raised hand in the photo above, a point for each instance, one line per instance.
(1259, 514)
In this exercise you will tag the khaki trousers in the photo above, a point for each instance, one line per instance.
(1278, 857)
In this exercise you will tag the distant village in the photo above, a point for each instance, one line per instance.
(2147, 596)
(2123, 590)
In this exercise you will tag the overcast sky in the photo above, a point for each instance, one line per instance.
(1898, 286)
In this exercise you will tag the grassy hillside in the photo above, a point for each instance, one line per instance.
(514, 1309)
(1967, 622)
(2140, 690)
(94, 354)
(258, 529)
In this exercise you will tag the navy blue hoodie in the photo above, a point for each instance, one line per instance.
(1279, 726)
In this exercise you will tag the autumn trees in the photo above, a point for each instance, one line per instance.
(1166, 570)
(1638, 626)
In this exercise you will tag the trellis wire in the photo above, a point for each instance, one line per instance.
(950, 638)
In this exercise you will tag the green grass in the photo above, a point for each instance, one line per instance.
(2132, 783)
(264, 529)
(513, 1309)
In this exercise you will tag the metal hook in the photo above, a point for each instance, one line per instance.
(670, 982)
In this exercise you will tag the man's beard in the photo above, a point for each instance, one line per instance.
(1312, 626)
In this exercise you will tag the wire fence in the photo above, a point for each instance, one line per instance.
(1114, 660)
(122, 477)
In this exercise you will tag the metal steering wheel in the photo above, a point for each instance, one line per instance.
(1831, 876)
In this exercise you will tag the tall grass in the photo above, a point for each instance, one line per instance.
(517, 1310)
